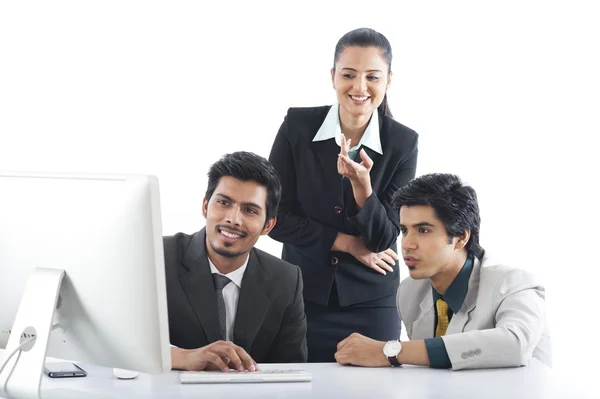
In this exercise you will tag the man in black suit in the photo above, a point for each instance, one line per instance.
(232, 305)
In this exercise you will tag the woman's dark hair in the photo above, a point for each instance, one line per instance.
(247, 166)
(367, 37)
(454, 203)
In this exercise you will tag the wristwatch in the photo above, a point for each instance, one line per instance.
(391, 349)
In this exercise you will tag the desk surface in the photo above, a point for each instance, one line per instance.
(333, 380)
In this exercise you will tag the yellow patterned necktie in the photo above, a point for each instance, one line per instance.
(442, 317)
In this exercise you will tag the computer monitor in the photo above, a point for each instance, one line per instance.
(81, 275)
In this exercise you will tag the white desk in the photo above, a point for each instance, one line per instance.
(332, 380)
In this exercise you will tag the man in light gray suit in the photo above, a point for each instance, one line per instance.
(461, 309)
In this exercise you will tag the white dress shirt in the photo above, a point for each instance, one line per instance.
(331, 128)
(231, 295)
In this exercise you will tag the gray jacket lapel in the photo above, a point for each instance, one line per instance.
(460, 319)
(423, 326)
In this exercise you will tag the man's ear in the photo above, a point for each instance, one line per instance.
(463, 239)
(269, 226)
(204, 207)
(333, 77)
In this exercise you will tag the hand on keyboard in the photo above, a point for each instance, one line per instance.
(220, 355)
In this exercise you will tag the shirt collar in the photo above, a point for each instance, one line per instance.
(331, 129)
(236, 276)
(457, 291)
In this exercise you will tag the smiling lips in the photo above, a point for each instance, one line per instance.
(231, 234)
(359, 99)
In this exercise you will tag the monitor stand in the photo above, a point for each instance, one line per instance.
(22, 375)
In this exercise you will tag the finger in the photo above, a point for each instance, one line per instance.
(342, 168)
(342, 343)
(346, 341)
(348, 162)
(234, 359)
(378, 269)
(343, 146)
(248, 362)
(390, 252)
(381, 263)
(387, 259)
(366, 160)
(342, 359)
(217, 361)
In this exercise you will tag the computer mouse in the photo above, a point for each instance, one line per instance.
(123, 374)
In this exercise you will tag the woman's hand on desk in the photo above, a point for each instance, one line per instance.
(220, 355)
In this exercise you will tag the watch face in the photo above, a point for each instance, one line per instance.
(392, 348)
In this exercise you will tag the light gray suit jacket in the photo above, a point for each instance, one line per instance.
(502, 322)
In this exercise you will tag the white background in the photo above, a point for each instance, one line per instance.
(506, 95)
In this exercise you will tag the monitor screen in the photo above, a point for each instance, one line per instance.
(104, 232)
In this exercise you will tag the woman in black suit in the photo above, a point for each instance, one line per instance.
(339, 167)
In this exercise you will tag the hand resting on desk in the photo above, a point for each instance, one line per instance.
(358, 350)
(220, 355)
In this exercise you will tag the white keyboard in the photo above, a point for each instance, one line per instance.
(267, 375)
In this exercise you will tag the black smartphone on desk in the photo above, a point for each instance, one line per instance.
(63, 370)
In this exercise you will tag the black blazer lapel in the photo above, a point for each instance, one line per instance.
(327, 151)
(252, 304)
(199, 288)
(377, 160)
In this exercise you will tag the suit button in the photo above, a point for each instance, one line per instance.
(471, 353)
(337, 209)
(478, 351)
(464, 355)
(334, 261)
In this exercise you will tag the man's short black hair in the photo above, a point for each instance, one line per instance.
(247, 166)
(454, 203)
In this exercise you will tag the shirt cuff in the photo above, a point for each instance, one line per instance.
(438, 355)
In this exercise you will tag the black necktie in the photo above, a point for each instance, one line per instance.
(220, 282)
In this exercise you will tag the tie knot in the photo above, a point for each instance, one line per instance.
(220, 281)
